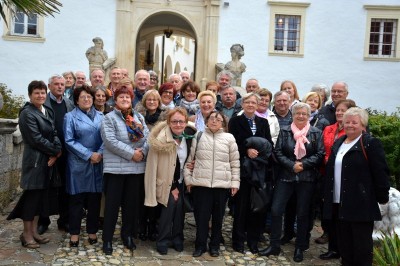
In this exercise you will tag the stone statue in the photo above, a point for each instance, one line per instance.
(235, 66)
(96, 55)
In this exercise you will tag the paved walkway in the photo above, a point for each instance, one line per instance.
(57, 252)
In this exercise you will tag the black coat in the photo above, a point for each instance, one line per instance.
(284, 152)
(364, 182)
(329, 113)
(40, 142)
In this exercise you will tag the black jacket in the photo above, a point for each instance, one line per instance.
(328, 111)
(364, 182)
(284, 151)
(40, 142)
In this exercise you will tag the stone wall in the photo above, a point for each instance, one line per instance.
(11, 148)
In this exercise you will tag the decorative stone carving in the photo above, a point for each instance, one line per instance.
(96, 55)
(234, 66)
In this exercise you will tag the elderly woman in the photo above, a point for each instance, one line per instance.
(213, 86)
(357, 179)
(167, 93)
(242, 127)
(290, 88)
(322, 90)
(170, 143)
(153, 85)
(41, 150)
(189, 91)
(100, 100)
(151, 108)
(84, 164)
(300, 152)
(214, 178)
(314, 100)
(264, 112)
(124, 133)
(70, 80)
(207, 101)
(330, 135)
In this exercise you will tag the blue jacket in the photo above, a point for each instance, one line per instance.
(82, 138)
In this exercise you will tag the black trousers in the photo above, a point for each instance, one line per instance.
(355, 242)
(244, 220)
(170, 227)
(76, 204)
(122, 191)
(207, 202)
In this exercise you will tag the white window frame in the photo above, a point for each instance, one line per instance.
(287, 9)
(382, 13)
(10, 35)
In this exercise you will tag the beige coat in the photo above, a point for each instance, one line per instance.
(160, 164)
(217, 161)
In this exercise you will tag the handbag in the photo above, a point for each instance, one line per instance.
(55, 178)
(261, 197)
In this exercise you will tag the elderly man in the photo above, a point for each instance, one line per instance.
(97, 78)
(115, 76)
(176, 80)
(281, 108)
(142, 81)
(322, 90)
(228, 104)
(124, 73)
(80, 79)
(185, 76)
(60, 105)
(251, 86)
(224, 79)
(339, 91)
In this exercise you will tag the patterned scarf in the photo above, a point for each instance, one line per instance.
(181, 136)
(191, 107)
(135, 129)
(199, 123)
(300, 138)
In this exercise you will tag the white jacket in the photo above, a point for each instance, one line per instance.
(217, 162)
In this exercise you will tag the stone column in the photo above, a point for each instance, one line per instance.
(124, 44)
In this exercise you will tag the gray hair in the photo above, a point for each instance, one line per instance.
(142, 71)
(346, 87)
(174, 75)
(322, 87)
(101, 70)
(301, 105)
(279, 93)
(353, 111)
(55, 76)
(69, 73)
(225, 73)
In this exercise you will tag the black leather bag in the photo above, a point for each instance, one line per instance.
(261, 198)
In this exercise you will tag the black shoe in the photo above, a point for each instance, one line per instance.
(286, 239)
(198, 253)
(92, 241)
(214, 252)
(42, 229)
(298, 255)
(128, 243)
(254, 249)
(73, 244)
(238, 249)
(143, 236)
(107, 248)
(162, 250)
(178, 247)
(270, 251)
(330, 255)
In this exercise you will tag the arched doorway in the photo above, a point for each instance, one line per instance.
(141, 27)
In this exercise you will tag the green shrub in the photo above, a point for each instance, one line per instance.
(387, 250)
(387, 129)
(11, 103)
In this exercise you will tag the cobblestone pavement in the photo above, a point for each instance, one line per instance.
(58, 252)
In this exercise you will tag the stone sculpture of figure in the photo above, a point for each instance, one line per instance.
(235, 66)
(96, 55)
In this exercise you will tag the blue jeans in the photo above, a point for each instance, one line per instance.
(283, 192)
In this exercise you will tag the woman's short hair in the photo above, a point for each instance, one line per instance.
(77, 92)
(123, 90)
(264, 92)
(217, 113)
(36, 85)
(251, 94)
(191, 85)
(213, 83)
(322, 87)
(353, 111)
(207, 93)
(125, 82)
(296, 94)
(101, 88)
(301, 105)
(65, 74)
(347, 102)
(149, 93)
(313, 94)
(175, 110)
(166, 86)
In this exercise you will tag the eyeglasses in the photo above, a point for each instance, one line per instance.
(178, 122)
(250, 102)
(85, 97)
(155, 79)
(213, 119)
(338, 91)
(301, 114)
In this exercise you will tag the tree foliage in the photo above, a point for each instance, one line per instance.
(386, 128)
(12, 103)
(40, 7)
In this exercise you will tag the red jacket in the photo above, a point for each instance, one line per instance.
(331, 134)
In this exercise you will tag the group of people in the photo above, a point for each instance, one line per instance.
(147, 149)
